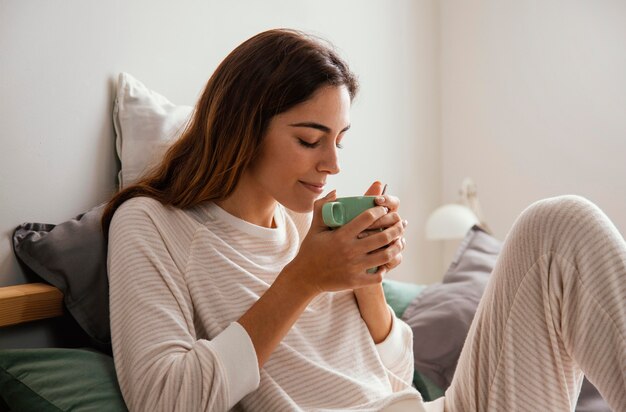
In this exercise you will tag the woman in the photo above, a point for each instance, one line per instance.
(227, 292)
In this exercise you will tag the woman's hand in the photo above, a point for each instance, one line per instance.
(392, 203)
(371, 299)
(333, 260)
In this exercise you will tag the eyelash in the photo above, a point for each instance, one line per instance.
(314, 145)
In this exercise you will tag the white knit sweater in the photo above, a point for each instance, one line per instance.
(180, 279)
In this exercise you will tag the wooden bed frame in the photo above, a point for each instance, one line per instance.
(28, 302)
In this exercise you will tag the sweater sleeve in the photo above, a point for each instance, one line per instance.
(161, 365)
(396, 353)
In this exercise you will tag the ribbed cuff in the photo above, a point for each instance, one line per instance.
(393, 347)
(235, 350)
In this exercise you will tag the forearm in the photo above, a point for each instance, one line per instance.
(272, 316)
(374, 311)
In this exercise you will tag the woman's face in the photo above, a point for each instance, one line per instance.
(300, 149)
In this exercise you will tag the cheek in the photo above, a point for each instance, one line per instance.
(292, 162)
(286, 174)
(283, 164)
(277, 168)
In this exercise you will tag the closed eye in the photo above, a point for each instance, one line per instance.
(307, 144)
(316, 144)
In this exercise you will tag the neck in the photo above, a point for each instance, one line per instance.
(259, 211)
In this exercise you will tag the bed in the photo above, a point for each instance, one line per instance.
(69, 260)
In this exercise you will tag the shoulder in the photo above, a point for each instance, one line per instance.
(141, 205)
(149, 216)
(145, 225)
(143, 208)
(137, 211)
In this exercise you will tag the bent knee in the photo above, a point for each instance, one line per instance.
(558, 213)
(554, 206)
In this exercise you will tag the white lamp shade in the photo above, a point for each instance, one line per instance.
(450, 221)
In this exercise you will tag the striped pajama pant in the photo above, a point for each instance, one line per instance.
(554, 308)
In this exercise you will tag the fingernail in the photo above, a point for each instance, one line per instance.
(380, 199)
(403, 242)
(386, 209)
(332, 192)
(405, 223)
(361, 235)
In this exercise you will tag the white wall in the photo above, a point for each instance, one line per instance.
(59, 59)
(534, 103)
(528, 98)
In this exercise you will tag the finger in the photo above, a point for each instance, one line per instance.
(384, 222)
(318, 221)
(363, 221)
(383, 257)
(374, 241)
(390, 202)
(375, 189)
(397, 259)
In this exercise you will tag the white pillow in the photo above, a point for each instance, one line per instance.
(146, 124)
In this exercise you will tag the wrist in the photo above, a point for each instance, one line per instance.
(374, 311)
(370, 291)
(294, 278)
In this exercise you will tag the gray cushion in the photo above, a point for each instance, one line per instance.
(72, 257)
(590, 399)
(441, 315)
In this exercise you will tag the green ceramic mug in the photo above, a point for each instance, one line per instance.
(342, 210)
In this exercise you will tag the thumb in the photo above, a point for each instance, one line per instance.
(318, 220)
(375, 189)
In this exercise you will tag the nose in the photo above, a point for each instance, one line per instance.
(329, 163)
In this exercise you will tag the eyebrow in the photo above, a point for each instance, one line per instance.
(317, 126)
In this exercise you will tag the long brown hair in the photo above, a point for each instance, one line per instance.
(264, 76)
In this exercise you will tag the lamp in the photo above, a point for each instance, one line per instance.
(452, 221)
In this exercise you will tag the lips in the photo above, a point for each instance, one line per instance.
(314, 187)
